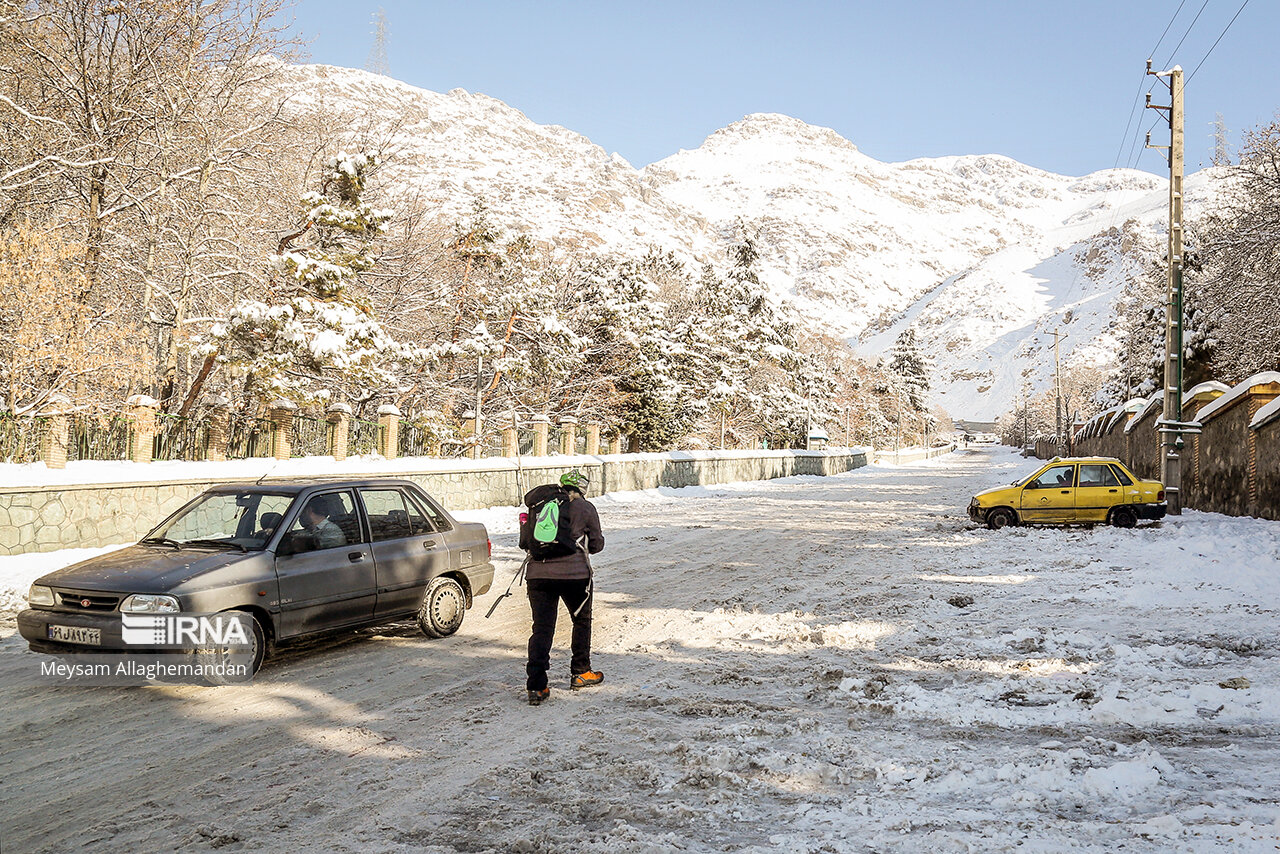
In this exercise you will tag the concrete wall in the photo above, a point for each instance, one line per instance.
(41, 519)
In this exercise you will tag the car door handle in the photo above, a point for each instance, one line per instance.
(1066, 492)
(355, 557)
(428, 544)
(1113, 490)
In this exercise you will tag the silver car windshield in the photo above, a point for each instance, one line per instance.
(244, 520)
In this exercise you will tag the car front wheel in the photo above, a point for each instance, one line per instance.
(224, 662)
(1001, 517)
(443, 607)
(1124, 517)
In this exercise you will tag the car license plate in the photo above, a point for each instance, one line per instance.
(75, 634)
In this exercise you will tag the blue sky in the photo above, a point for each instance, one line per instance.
(1050, 84)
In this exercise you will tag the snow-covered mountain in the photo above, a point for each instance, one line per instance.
(981, 254)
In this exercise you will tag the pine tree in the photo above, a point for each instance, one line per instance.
(318, 328)
(908, 363)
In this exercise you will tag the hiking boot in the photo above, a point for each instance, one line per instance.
(586, 680)
(537, 698)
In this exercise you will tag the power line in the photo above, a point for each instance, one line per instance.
(1134, 109)
(1174, 52)
(1215, 43)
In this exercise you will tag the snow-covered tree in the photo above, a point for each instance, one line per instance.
(1234, 300)
(910, 364)
(316, 328)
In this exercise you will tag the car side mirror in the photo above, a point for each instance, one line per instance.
(288, 545)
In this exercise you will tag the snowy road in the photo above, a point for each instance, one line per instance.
(785, 672)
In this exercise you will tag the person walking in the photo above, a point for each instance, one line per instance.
(563, 578)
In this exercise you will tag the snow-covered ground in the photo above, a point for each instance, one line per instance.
(816, 664)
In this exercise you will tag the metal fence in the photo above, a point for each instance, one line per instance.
(249, 437)
(363, 437)
(415, 440)
(98, 436)
(310, 436)
(454, 449)
(21, 439)
(179, 438)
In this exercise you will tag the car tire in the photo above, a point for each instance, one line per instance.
(1001, 517)
(443, 606)
(223, 655)
(1124, 517)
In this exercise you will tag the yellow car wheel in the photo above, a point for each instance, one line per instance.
(1124, 517)
(1001, 517)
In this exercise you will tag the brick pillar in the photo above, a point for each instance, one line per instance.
(1251, 437)
(593, 438)
(339, 417)
(215, 449)
(541, 426)
(281, 416)
(615, 444)
(54, 444)
(389, 434)
(142, 421)
(568, 435)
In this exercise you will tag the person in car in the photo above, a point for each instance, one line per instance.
(325, 534)
(269, 523)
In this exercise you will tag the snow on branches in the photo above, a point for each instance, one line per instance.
(318, 331)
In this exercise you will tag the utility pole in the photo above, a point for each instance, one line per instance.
(475, 450)
(897, 436)
(1057, 382)
(1171, 426)
(1024, 418)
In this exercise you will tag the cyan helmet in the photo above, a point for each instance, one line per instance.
(575, 480)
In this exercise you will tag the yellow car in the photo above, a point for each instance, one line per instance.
(1072, 490)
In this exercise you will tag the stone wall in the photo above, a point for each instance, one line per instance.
(1230, 466)
(1143, 446)
(1267, 440)
(1223, 463)
(40, 519)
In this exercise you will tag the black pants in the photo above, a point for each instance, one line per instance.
(545, 596)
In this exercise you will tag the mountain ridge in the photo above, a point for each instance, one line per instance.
(864, 246)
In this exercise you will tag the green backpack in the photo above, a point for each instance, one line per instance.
(545, 533)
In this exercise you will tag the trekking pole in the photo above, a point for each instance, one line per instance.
(591, 575)
(519, 575)
(515, 422)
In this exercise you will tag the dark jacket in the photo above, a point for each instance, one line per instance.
(583, 519)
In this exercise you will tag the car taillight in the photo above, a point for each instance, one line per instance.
(1160, 497)
(490, 542)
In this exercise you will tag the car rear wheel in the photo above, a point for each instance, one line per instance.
(1124, 517)
(443, 607)
(1001, 517)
